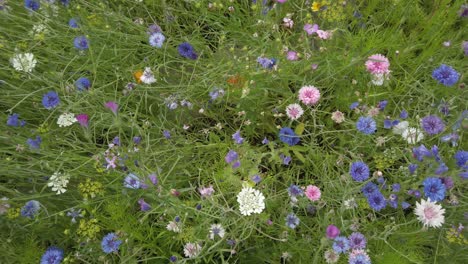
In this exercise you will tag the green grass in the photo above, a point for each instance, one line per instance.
(409, 33)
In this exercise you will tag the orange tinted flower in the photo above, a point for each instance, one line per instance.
(236, 80)
(138, 75)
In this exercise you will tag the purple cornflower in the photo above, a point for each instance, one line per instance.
(357, 241)
(434, 189)
(53, 255)
(420, 152)
(81, 43)
(186, 50)
(167, 134)
(382, 104)
(295, 191)
(144, 206)
(462, 159)
(405, 205)
(216, 93)
(112, 106)
(412, 168)
(82, 84)
(341, 245)
(286, 159)
(34, 143)
(393, 200)
(132, 181)
(32, 5)
(369, 189)
(256, 178)
(136, 140)
(237, 137)
(265, 141)
(359, 171)
(82, 119)
(30, 209)
(354, 105)
(73, 23)
(266, 62)
(50, 100)
(403, 114)
(432, 124)
(396, 187)
(366, 125)
(236, 164)
(153, 28)
(446, 75)
(448, 182)
(173, 259)
(13, 120)
(153, 179)
(452, 138)
(441, 169)
(377, 201)
(332, 231)
(110, 243)
(288, 136)
(231, 156)
(292, 221)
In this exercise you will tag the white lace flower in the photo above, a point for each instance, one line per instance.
(23, 62)
(412, 135)
(58, 182)
(192, 250)
(147, 77)
(66, 119)
(250, 201)
(430, 213)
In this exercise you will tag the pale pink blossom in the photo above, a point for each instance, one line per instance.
(338, 117)
(311, 29)
(292, 55)
(294, 111)
(324, 34)
(378, 64)
(313, 192)
(309, 95)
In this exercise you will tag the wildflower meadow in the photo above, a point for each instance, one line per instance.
(233, 131)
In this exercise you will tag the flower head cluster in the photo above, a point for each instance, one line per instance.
(24, 62)
(66, 119)
(58, 182)
(250, 201)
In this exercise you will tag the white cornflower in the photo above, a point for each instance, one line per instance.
(412, 135)
(58, 182)
(147, 77)
(66, 119)
(173, 226)
(23, 62)
(216, 230)
(400, 127)
(294, 111)
(250, 201)
(350, 203)
(192, 250)
(430, 213)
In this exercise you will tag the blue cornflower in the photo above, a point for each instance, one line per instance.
(53, 255)
(377, 201)
(441, 169)
(396, 187)
(393, 200)
(359, 171)
(137, 140)
(434, 189)
(446, 75)
(292, 221)
(266, 62)
(412, 168)
(387, 123)
(157, 39)
(359, 257)
(13, 120)
(354, 105)
(81, 43)
(30, 209)
(405, 205)
(74, 213)
(82, 84)
(256, 178)
(288, 136)
(382, 104)
(237, 137)
(167, 134)
(420, 152)
(432, 124)
(110, 243)
(452, 138)
(50, 100)
(132, 181)
(73, 23)
(231, 156)
(32, 5)
(186, 50)
(366, 125)
(357, 241)
(341, 244)
(173, 259)
(217, 92)
(286, 159)
(34, 143)
(295, 190)
(369, 189)
(462, 159)
(265, 141)
(403, 114)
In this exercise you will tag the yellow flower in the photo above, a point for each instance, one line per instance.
(13, 213)
(88, 229)
(316, 6)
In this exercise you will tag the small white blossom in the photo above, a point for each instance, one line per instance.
(147, 77)
(191, 250)
(400, 127)
(412, 135)
(250, 201)
(66, 119)
(58, 182)
(216, 230)
(23, 62)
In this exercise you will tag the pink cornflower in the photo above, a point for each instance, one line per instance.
(311, 29)
(206, 192)
(313, 192)
(309, 95)
(294, 111)
(324, 34)
(292, 55)
(82, 119)
(377, 64)
(112, 106)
